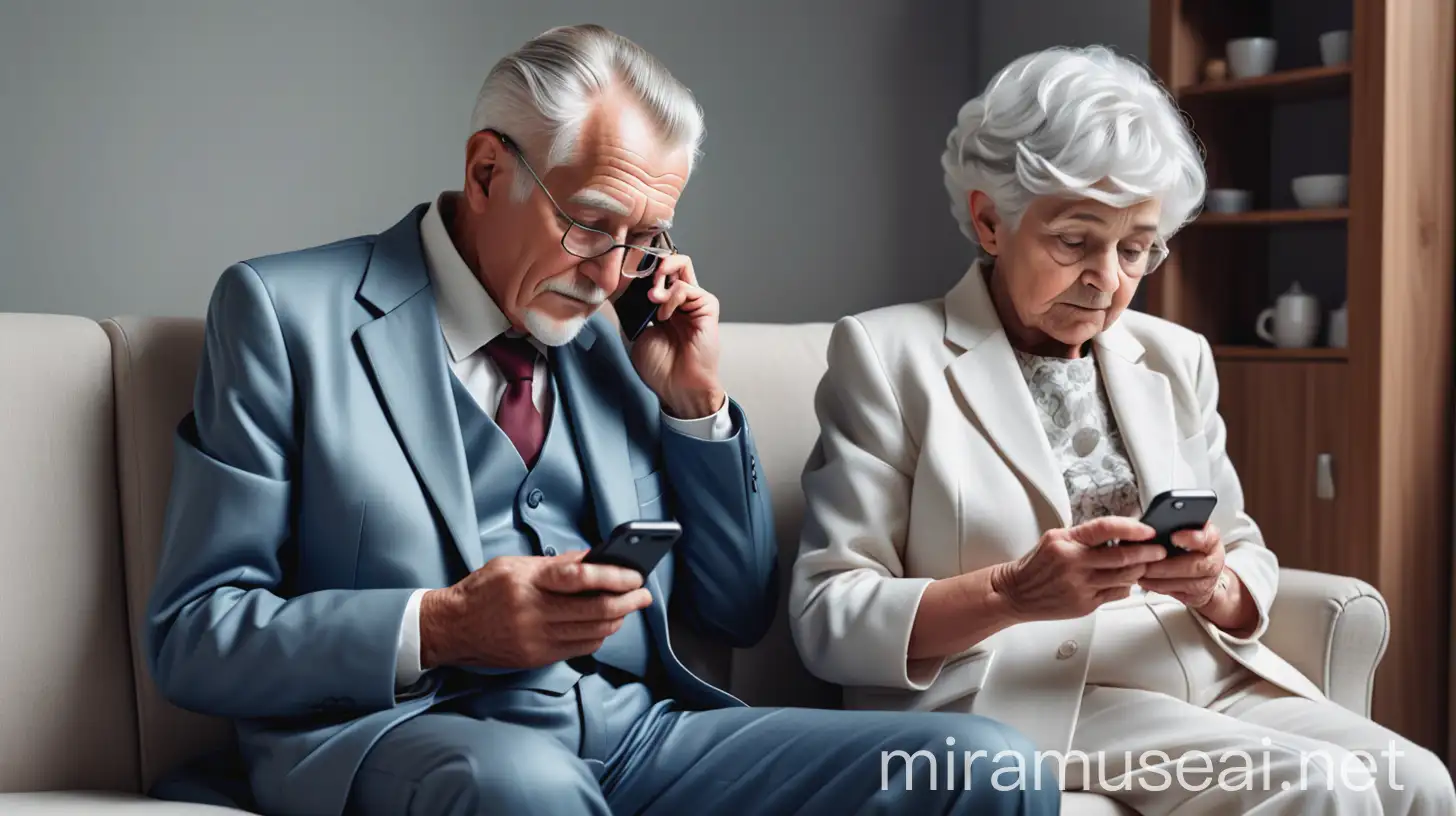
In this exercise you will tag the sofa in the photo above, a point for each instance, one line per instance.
(87, 412)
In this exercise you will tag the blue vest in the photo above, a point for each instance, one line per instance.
(543, 511)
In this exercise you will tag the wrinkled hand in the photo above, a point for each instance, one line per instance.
(523, 612)
(1191, 578)
(677, 356)
(1070, 573)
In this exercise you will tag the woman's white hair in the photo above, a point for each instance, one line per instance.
(1079, 122)
(541, 94)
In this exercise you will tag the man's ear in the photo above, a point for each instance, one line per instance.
(482, 174)
(985, 220)
(483, 155)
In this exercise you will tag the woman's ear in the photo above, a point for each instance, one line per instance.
(985, 221)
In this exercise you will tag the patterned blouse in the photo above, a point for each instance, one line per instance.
(1083, 434)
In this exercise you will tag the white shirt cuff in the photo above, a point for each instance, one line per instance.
(714, 427)
(407, 669)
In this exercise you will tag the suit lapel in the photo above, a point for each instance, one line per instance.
(1142, 404)
(990, 381)
(600, 435)
(404, 349)
(601, 441)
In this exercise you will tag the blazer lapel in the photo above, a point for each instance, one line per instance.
(1142, 403)
(601, 436)
(990, 381)
(404, 349)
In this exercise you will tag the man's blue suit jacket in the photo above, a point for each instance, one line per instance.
(321, 479)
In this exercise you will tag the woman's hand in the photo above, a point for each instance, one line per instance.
(1191, 578)
(1202, 582)
(1070, 573)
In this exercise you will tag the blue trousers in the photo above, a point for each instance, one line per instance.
(608, 749)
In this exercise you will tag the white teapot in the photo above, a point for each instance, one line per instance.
(1296, 319)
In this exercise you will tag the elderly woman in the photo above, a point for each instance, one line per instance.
(978, 451)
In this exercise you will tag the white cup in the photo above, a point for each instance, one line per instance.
(1319, 191)
(1228, 200)
(1251, 56)
(1340, 328)
(1296, 319)
(1334, 47)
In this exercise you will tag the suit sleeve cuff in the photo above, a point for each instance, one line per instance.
(715, 427)
(407, 669)
(859, 634)
(1262, 599)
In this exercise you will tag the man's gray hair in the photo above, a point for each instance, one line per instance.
(541, 95)
(1080, 122)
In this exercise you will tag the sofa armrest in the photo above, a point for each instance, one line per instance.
(1333, 629)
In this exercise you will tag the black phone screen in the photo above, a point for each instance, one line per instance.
(634, 310)
(1178, 510)
(637, 545)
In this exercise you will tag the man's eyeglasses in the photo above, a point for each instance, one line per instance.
(588, 243)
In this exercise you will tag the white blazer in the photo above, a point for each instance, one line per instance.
(932, 462)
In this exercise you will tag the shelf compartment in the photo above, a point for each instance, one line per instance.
(1258, 217)
(1299, 83)
(1317, 354)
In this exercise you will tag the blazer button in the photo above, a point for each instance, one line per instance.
(534, 498)
(549, 551)
(1067, 649)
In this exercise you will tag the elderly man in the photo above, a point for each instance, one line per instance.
(403, 446)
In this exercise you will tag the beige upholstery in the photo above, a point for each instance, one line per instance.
(82, 509)
(155, 365)
(67, 713)
(1354, 621)
(772, 372)
(108, 804)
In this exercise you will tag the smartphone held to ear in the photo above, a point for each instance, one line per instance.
(634, 310)
(1177, 510)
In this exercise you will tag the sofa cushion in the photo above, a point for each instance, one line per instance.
(772, 371)
(155, 365)
(72, 803)
(67, 711)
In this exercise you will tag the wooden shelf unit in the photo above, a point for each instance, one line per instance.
(1257, 217)
(1284, 85)
(1377, 414)
(1336, 355)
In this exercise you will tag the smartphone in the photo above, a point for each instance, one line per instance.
(637, 545)
(1176, 510)
(634, 310)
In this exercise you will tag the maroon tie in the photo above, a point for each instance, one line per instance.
(517, 414)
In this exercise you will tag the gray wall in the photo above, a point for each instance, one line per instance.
(145, 145)
(1006, 29)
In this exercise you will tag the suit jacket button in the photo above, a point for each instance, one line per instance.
(549, 551)
(534, 498)
(1067, 649)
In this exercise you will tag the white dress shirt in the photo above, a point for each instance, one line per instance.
(470, 318)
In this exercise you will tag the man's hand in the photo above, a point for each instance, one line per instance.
(677, 357)
(523, 612)
(1070, 573)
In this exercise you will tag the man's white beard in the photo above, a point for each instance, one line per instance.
(554, 332)
(550, 331)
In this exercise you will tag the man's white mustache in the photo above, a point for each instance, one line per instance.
(576, 289)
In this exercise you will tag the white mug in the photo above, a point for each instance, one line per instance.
(1339, 328)
(1296, 318)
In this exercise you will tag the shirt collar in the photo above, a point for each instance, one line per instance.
(469, 317)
